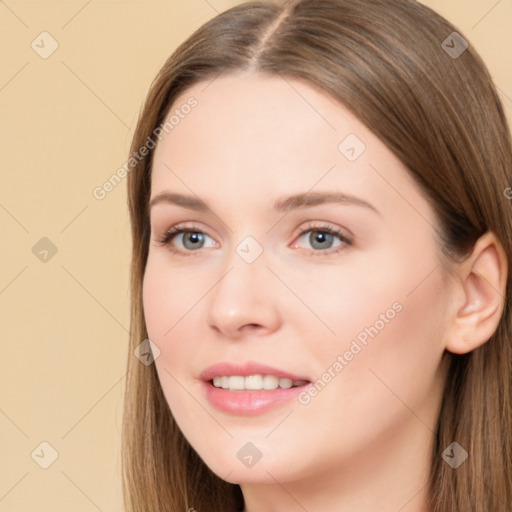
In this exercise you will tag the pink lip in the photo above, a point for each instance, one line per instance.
(247, 403)
(249, 368)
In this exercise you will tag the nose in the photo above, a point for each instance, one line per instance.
(244, 300)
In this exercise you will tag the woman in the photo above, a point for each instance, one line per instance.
(321, 244)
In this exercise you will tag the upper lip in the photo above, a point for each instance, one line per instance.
(245, 369)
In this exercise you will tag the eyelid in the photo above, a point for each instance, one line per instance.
(325, 226)
(178, 229)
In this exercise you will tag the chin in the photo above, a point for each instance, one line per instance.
(235, 471)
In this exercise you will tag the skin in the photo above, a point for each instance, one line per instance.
(364, 442)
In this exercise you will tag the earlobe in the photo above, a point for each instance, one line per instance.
(482, 278)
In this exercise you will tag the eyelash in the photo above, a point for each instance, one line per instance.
(174, 231)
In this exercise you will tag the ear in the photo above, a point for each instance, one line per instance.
(481, 279)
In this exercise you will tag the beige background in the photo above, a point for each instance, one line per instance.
(66, 125)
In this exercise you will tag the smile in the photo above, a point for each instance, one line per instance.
(255, 382)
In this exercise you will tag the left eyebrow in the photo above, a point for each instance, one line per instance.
(305, 200)
(310, 199)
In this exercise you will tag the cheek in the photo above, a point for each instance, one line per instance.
(170, 303)
(388, 315)
(341, 303)
(391, 344)
(167, 296)
(163, 308)
(156, 304)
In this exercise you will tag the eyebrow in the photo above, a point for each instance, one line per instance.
(284, 205)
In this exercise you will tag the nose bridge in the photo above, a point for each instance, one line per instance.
(242, 295)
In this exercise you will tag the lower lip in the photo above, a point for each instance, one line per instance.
(248, 403)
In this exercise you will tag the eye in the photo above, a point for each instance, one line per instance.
(321, 239)
(190, 238)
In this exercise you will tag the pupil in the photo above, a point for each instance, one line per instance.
(321, 238)
(193, 237)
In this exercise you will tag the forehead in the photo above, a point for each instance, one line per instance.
(279, 117)
(254, 135)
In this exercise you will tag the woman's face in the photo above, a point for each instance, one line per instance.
(341, 288)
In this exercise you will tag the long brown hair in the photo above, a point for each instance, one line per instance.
(435, 106)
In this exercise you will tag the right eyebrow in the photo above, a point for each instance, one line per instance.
(189, 202)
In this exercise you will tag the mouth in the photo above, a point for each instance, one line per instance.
(256, 382)
(251, 388)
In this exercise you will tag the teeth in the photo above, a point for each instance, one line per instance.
(270, 382)
(236, 382)
(285, 383)
(255, 382)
